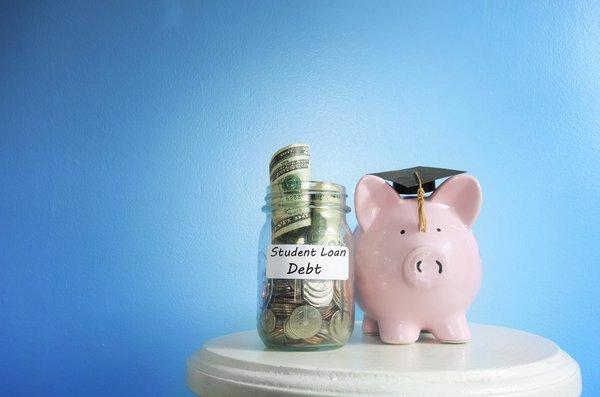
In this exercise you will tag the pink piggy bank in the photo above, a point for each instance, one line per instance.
(409, 281)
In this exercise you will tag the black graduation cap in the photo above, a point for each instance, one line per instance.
(406, 181)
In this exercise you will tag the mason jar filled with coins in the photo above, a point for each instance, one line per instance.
(305, 267)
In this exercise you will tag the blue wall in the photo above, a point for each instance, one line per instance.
(135, 138)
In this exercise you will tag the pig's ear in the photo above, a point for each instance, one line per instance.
(371, 196)
(462, 193)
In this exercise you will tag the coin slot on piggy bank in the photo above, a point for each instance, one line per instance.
(417, 261)
(305, 263)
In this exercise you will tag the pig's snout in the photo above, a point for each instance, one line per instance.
(425, 267)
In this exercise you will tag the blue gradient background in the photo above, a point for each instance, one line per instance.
(135, 138)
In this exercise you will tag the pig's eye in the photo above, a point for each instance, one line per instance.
(438, 229)
(402, 231)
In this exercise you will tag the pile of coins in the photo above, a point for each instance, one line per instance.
(297, 313)
(292, 318)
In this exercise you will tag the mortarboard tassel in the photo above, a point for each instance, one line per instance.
(420, 204)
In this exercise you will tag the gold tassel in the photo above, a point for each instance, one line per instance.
(421, 203)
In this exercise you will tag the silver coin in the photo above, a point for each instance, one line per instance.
(268, 320)
(304, 322)
(287, 331)
(337, 293)
(339, 326)
(318, 301)
(318, 285)
(266, 291)
(318, 293)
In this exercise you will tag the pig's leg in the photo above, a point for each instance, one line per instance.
(369, 326)
(452, 330)
(398, 332)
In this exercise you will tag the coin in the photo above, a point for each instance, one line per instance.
(327, 312)
(282, 310)
(337, 294)
(318, 285)
(266, 291)
(318, 301)
(287, 331)
(339, 326)
(304, 322)
(267, 320)
(318, 293)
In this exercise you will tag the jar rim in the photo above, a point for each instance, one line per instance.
(310, 188)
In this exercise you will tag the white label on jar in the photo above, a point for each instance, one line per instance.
(308, 262)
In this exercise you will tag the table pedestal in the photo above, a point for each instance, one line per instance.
(497, 362)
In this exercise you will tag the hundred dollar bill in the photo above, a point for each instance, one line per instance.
(287, 221)
(288, 169)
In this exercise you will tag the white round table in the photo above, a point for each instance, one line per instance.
(496, 362)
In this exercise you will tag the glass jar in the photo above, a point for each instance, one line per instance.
(306, 269)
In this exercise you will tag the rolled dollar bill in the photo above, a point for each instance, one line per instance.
(326, 215)
(288, 169)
